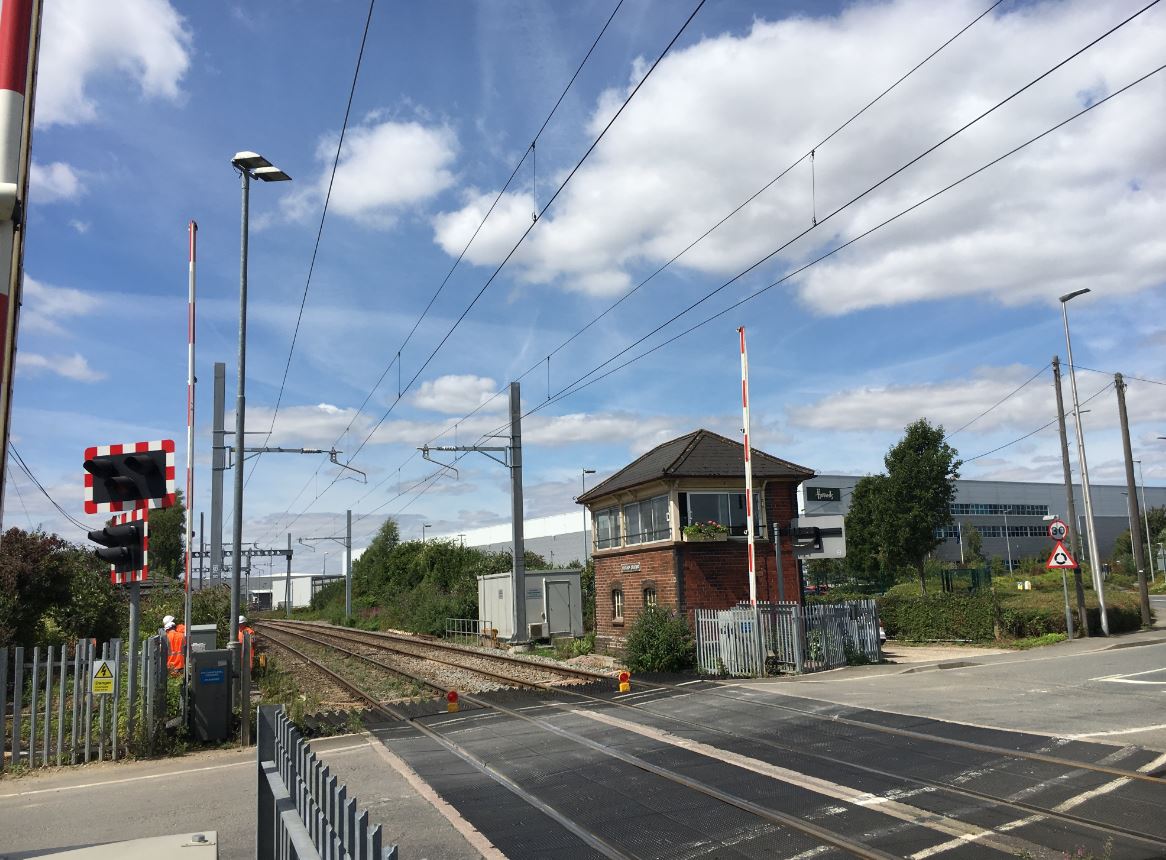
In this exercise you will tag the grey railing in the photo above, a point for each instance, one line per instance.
(742, 641)
(304, 811)
(53, 717)
(469, 630)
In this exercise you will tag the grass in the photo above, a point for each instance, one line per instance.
(1036, 641)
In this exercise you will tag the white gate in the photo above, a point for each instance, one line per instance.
(729, 642)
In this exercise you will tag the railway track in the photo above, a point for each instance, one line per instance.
(949, 805)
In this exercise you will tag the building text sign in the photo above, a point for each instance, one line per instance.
(823, 494)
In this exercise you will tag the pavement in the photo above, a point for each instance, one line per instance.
(59, 809)
(1104, 690)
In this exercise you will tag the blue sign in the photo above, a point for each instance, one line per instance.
(212, 676)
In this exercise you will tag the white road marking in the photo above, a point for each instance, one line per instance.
(1127, 675)
(1132, 731)
(836, 791)
(1064, 806)
(102, 783)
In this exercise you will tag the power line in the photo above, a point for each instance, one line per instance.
(1038, 429)
(27, 471)
(1124, 375)
(319, 236)
(1001, 400)
(574, 170)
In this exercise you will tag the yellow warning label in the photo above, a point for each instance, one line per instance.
(103, 676)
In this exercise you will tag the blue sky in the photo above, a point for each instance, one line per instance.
(142, 104)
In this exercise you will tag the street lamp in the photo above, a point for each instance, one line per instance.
(250, 166)
(425, 526)
(1090, 530)
(1146, 517)
(586, 545)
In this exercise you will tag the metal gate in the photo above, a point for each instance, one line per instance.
(729, 642)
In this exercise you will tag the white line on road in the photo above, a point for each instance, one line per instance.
(1132, 731)
(886, 805)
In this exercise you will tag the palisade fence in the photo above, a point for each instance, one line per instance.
(304, 811)
(49, 714)
(745, 641)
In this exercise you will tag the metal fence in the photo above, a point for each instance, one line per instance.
(304, 812)
(471, 631)
(746, 641)
(50, 714)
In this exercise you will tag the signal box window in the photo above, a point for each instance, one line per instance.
(617, 604)
(649, 596)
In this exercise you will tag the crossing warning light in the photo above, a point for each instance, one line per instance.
(126, 547)
(129, 476)
(452, 705)
(625, 681)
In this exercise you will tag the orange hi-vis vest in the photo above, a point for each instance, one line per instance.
(176, 662)
(246, 628)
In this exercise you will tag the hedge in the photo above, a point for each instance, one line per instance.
(992, 616)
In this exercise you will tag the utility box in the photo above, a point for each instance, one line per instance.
(203, 637)
(554, 604)
(210, 693)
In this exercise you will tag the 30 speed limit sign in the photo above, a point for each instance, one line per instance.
(1058, 530)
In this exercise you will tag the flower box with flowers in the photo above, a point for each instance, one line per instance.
(706, 532)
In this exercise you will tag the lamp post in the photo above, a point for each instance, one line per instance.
(586, 545)
(250, 165)
(425, 526)
(1086, 496)
(1007, 542)
(1145, 517)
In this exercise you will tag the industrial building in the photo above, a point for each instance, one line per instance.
(997, 508)
(267, 591)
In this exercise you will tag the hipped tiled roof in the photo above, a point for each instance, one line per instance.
(699, 454)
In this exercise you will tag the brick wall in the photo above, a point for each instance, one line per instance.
(656, 567)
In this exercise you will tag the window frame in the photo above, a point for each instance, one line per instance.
(613, 516)
(759, 524)
(660, 532)
(617, 604)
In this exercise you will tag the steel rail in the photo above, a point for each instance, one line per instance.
(857, 848)
(591, 839)
(970, 793)
(351, 635)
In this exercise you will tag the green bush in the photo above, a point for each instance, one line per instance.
(938, 616)
(660, 642)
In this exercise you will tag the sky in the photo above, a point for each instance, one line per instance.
(620, 330)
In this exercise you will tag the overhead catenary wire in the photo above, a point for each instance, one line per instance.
(851, 119)
(554, 196)
(319, 235)
(579, 385)
(1124, 375)
(582, 382)
(890, 176)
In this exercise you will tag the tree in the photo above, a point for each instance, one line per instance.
(167, 528)
(894, 517)
(1123, 547)
(94, 607)
(35, 574)
(374, 560)
(921, 474)
(975, 553)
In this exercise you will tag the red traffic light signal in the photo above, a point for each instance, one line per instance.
(129, 476)
(451, 697)
(126, 547)
(624, 677)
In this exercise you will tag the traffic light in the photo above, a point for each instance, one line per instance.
(125, 477)
(126, 545)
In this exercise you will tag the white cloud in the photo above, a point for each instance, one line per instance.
(51, 182)
(144, 40)
(73, 366)
(720, 118)
(80, 226)
(44, 308)
(511, 216)
(385, 168)
(955, 403)
(459, 393)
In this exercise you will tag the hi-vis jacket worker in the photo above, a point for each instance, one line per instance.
(244, 627)
(176, 642)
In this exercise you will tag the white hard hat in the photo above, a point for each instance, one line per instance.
(242, 619)
(169, 625)
(167, 619)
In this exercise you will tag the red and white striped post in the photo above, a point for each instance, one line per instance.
(192, 230)
(749, 513)
(18, 20)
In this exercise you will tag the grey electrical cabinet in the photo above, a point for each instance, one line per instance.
(203, 637)
(210, 692)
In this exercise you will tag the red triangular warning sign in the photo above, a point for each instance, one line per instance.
(1060, 558)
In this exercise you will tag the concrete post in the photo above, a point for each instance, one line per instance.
(1132, 497)
(518, 583)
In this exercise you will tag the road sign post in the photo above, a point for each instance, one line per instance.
(1061, 559)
